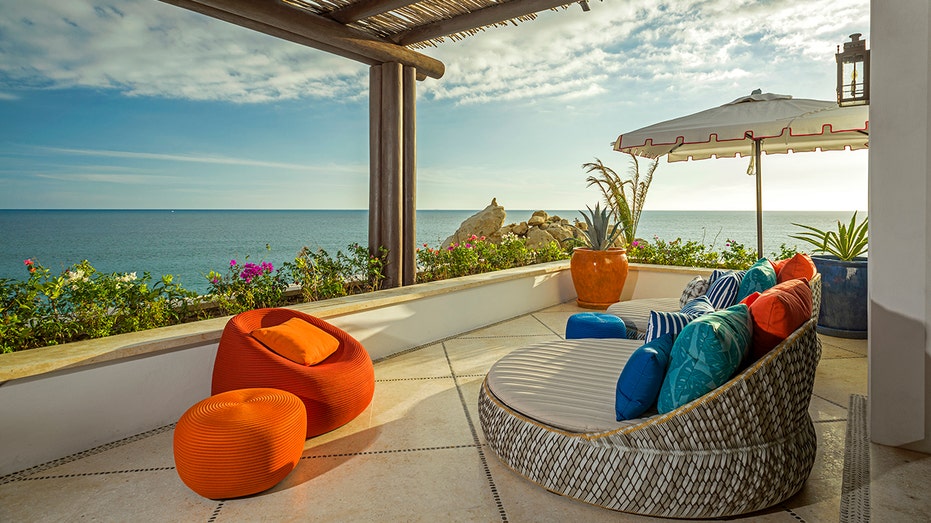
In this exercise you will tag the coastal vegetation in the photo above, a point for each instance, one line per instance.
(623, 196)
(82, 303)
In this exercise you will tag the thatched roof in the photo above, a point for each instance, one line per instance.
(402, 21)
(374, 31)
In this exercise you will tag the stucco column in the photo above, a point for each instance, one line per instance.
(900, 241)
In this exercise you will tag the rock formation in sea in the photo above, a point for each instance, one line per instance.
(540, 229)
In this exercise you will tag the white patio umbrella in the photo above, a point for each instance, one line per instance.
(751, 125)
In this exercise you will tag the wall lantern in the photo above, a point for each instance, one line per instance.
(853, 72)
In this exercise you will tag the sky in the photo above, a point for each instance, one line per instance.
(138, 104)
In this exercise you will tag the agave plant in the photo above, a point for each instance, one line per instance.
(848, 242)
(600, 234)
(624, 197)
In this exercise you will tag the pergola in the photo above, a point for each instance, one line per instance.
(382, 34)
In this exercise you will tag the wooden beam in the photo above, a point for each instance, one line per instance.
(366, 8)
(277, 32)
(323, 30)
(475, 19)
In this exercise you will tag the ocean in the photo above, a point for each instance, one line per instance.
(190, 243)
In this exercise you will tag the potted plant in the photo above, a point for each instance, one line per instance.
(843, 276)
(599, 271)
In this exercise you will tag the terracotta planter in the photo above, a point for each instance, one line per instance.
(598, 276)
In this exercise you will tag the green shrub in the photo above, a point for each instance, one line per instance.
(322, 276)
(82, 303)
(478, 255)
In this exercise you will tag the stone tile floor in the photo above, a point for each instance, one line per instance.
(418, 454)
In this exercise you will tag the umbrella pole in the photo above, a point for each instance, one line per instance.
(757, 155)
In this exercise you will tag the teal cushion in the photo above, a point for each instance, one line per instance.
(760, 277)
(639, 383)
(706, 354)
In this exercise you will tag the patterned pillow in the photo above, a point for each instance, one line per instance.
(698, 306)
(639, 383)
(693, 289)
(722, 293)
(705, 355)
(760, 277)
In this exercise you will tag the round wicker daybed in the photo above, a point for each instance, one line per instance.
(747, 445)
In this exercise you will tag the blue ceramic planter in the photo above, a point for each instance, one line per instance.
(843, 297)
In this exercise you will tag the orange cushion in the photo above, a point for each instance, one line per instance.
(748, 301)
(777, 313)
(298, 341)
(798, 266)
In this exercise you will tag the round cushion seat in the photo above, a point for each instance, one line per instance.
(595, 325)
(239, 442)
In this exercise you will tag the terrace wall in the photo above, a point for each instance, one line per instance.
(57, 401)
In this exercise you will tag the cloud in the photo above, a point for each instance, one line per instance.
(111, 178)
(651, 49)
(148, 48)
(209, 159)
(640, 50)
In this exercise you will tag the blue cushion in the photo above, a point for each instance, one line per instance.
(661, 323)
(595, 325)
(640, 381)
(759, 277)
(722, 293)
(707, 352)
(698, 306)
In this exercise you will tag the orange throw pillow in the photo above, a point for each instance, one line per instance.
(298, 341)
(798, 266)
(777, 312)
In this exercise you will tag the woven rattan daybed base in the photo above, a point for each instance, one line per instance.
(748, 445)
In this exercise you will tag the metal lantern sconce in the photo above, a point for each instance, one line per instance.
(853, 72)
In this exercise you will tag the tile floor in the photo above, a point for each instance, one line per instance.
(418, 454)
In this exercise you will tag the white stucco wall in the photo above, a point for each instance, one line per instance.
(900, 117)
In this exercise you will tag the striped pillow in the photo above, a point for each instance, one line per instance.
(661, 323)
(722, 293)
(698, 306)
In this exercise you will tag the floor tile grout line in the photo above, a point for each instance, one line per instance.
(829, 401)
(534, 315)
(24, 474)
(479, 447)
(101, 473)
(216, 512)
(792, 513)
(857, 354)
(391, 451)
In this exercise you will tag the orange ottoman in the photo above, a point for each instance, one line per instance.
(239, 442)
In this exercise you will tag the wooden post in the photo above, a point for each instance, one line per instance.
(393, 164)
(409, 192)
(375, 198)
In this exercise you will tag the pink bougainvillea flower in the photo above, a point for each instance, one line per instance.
(450, 248)
(28, 261)
(232, 263)
(214, 281)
